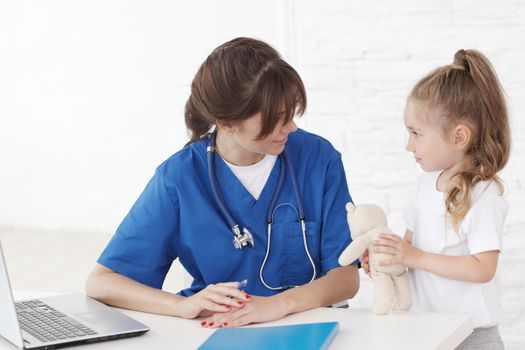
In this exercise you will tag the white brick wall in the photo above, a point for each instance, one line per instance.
(359, 59)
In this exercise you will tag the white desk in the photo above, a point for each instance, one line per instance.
(359, 329)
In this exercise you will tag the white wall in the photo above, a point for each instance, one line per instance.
(359, 60)
(92, 96)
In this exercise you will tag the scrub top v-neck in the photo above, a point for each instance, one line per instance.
(177, 217)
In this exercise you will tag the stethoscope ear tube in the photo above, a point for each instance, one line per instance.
(294, 185)
(269, 215)
(241, 239)
(215, 187)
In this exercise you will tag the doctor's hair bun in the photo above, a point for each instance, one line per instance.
(197, 124)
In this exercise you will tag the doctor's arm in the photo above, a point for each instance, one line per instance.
(338, 284)
(115, 289)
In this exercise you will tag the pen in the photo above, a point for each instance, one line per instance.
(242, 284)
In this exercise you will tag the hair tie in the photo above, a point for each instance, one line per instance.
(460, 59)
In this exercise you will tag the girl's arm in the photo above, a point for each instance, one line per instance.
(478, 268)
(338, 284)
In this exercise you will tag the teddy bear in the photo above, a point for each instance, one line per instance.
(367, 222)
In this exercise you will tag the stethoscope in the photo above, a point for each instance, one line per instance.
(244, 238)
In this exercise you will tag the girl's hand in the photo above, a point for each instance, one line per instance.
(403, 252)
(215, 298)
(253, 310)
(365, 262)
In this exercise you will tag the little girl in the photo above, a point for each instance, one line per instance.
(459, 134)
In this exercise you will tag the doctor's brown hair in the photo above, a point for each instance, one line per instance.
(240, 78)
(469, 93)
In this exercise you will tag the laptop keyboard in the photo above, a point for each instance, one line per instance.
(47, 324)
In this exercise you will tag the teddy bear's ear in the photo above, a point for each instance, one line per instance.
(350, 208)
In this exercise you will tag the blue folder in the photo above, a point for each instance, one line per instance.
(300, 336)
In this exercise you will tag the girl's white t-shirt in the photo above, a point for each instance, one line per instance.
(481, 230)
(254, 177)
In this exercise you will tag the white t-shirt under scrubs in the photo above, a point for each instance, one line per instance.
(254, 177)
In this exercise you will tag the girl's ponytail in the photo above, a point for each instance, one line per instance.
(493, 146)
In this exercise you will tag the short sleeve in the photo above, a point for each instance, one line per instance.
(485, 222)
(410, 213)
(335, 236)
(142, 248)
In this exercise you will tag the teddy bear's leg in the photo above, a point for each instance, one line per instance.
(404, 299)
(384, 293)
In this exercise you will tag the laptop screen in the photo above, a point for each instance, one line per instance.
(9, 327)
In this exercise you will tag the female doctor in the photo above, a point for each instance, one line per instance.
(249, 197)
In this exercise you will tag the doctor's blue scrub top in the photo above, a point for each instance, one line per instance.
(177, 217)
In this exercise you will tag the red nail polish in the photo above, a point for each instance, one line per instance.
(247, 296)
(211, 324)
(203, 323)
(240, 302)
(225, 324)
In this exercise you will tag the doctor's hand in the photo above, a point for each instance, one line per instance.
(215, 298)
(365, 262)
(255, 310)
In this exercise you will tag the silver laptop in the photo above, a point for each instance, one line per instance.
(56, 322)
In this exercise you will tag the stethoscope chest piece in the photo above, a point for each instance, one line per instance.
(242, 240)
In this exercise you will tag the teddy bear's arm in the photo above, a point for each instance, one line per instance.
(354, 250)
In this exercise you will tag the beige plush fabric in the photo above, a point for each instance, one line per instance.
(367, 222)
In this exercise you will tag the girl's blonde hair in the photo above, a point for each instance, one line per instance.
(469, 92)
